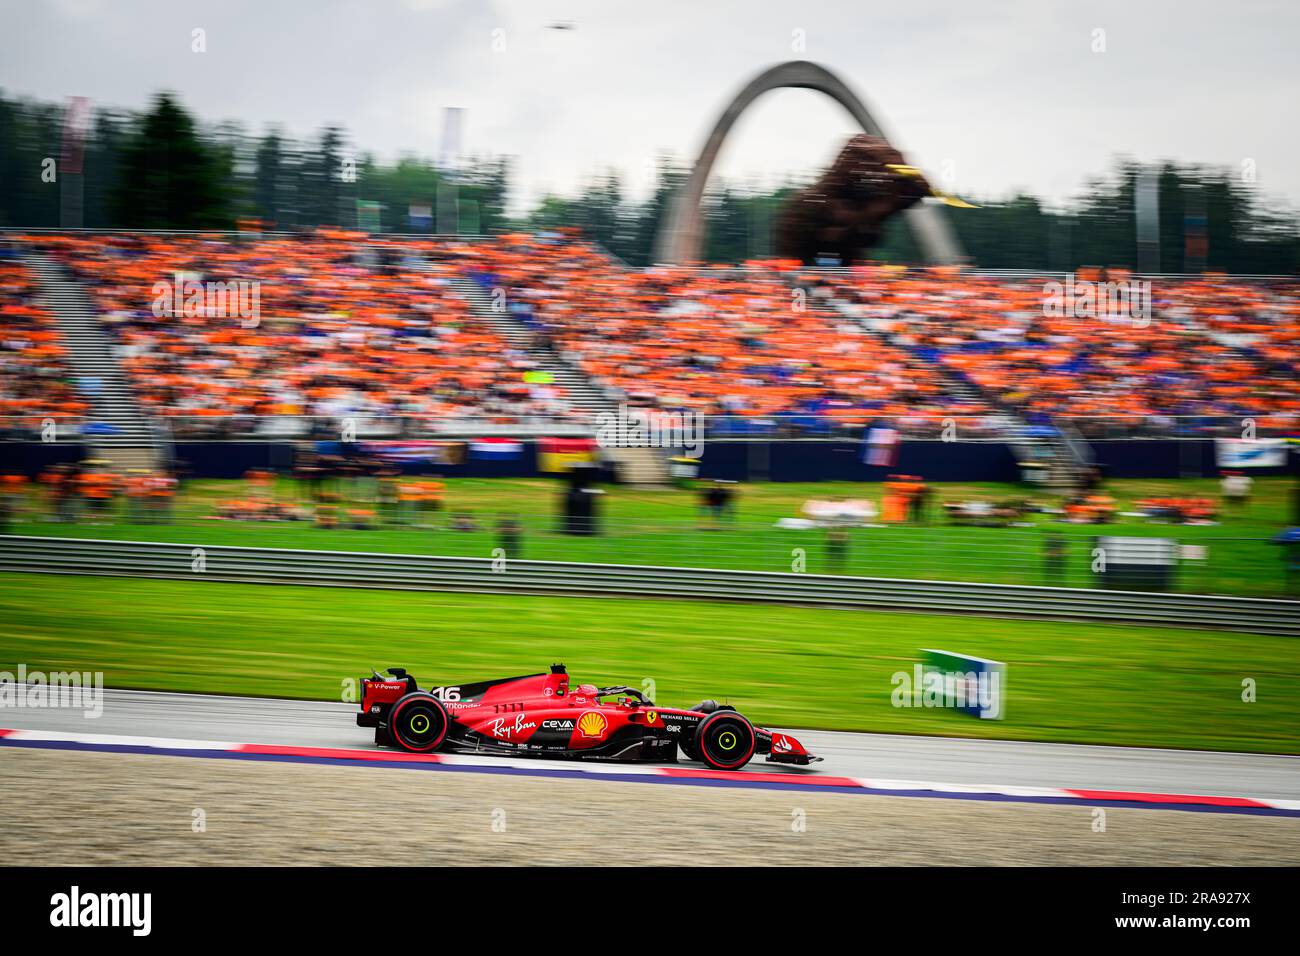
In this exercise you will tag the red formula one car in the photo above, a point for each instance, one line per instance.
(539, 715)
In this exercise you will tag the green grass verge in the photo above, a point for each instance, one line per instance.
(783, 666)
(664, 527)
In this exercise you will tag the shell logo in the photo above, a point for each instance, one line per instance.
(592, 724)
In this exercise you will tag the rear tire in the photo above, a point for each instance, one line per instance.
(725, 740)
(418, 723)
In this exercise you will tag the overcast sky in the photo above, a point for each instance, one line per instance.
(998, 96)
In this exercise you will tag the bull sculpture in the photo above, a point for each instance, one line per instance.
(843, 213)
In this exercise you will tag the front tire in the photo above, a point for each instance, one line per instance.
(725, 740)
(418, 723)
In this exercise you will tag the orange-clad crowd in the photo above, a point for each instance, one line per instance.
(348, 324)
(340, 327)
(87, 490)
(721, 341)
(34, 379)
(1200, 345)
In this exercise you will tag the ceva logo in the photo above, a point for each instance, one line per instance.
(592, 724)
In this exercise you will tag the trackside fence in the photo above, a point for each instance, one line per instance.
(486, 575)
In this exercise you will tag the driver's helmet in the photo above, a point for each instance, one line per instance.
(584, 690)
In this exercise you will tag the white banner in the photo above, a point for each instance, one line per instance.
(1258, 453)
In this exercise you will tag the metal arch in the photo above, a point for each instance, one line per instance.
(681, 239)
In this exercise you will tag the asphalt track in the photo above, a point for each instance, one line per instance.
(888, 760)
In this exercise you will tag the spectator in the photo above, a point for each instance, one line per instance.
(510, 536)
(1235, 488)
(1054, 559)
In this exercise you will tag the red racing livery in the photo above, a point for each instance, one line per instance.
(539, 715)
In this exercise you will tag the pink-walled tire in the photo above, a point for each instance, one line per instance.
(725, 740)
(418, 723)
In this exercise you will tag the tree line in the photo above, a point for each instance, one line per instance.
(162, 169)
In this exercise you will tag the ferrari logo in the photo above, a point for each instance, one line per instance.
(592, 724)
(651, 716)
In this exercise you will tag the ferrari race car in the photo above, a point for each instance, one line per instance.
(539, 715)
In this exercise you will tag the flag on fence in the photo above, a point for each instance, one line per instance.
(882, 447)
(561, 454)
(496, 449)
(435, 452)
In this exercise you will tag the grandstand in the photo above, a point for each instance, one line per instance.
(34, 380)
(1214, 346)
(713, 341)
(533, 335)
(335, 337)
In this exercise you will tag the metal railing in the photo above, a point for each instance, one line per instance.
(1029, 275)
(990, 427)
(416, 237)
(416, 572)
(1004, 539)
(363, 427)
